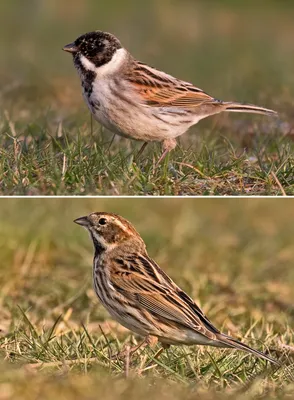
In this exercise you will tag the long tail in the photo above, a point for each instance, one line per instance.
(227, 341)
(249, 108)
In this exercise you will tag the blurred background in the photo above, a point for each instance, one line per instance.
(235, 257)
(233, 50)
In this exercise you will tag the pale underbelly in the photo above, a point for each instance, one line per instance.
(136, 122)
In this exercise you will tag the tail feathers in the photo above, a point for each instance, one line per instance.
(234, 343)
(249, 108)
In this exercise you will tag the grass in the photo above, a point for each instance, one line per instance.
(48, 145)
(234, 257)
(64, 164)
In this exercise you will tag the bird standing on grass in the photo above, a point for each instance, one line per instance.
(140, 295)
(137, 101)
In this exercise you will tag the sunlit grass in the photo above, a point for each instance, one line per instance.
(39, 161)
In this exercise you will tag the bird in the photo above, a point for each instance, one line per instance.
(137, 101)
(141, 296)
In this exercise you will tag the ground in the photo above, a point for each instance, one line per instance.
(234, 257)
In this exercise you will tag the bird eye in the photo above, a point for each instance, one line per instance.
(102, 221)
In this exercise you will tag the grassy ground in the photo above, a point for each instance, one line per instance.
(234, 257)
(234, 51)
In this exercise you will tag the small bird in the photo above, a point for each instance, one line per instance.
(137, 101)
(140, 295)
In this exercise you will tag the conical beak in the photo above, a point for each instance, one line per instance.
(83, 221)
(71, 48)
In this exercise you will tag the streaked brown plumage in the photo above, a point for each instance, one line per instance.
(137, 101)
(140, 295)
(159, 89)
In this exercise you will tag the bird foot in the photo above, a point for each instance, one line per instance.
(168, 145)
(129, 351)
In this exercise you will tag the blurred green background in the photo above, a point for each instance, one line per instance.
(239, 50)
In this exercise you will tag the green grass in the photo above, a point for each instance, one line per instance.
(233, 51)
(234, 257)
(82, 165)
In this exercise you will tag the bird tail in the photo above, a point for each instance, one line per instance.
(249, 108)
(227, 341)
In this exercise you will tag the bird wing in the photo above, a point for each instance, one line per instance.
(140, 280)
(158, 89)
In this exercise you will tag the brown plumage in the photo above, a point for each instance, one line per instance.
(140, 295)
(161, 90)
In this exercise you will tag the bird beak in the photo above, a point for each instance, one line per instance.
(71, 48)
(83, 221)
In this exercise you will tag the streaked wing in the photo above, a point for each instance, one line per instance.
(141, 281)
(158, 89)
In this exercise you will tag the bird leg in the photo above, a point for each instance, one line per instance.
(168, 145)
(141, 151)
(111, 142)
(148, 341)
(164, 346)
